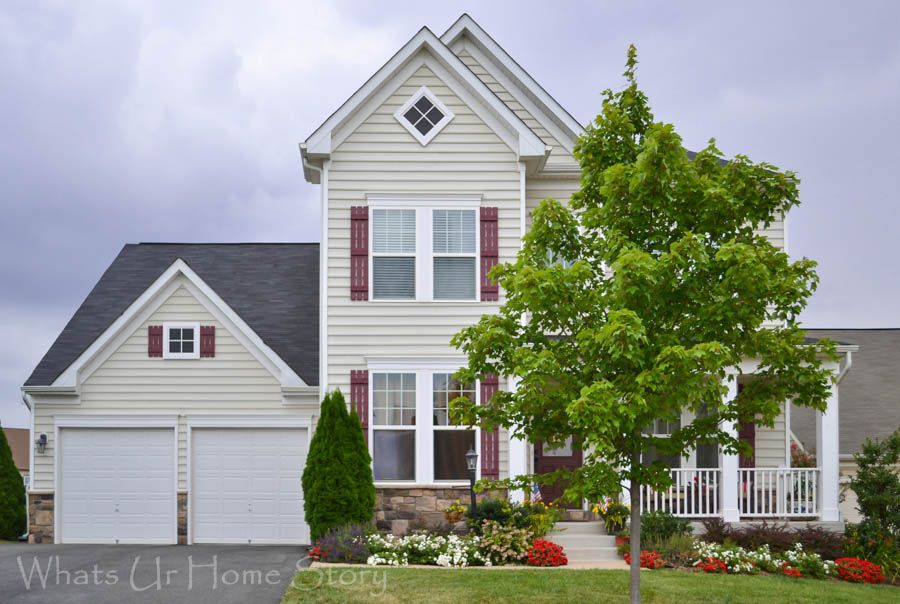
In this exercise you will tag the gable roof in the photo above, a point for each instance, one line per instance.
(273, 287)
(466, 26)
(318, 145)
(868, 395)
(18, 439)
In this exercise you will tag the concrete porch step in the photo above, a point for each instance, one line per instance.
(580, 528)
(591, 554)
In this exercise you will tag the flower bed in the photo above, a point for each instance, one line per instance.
(715, 558)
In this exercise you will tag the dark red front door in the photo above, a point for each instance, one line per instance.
(550, 460)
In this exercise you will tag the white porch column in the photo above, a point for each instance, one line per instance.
(518, 454)
(827, 451)
(729, 464)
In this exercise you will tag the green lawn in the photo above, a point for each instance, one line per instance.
(560, 586)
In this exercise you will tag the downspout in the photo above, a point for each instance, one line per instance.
(30, 406)
(846, 368)
(323, 272)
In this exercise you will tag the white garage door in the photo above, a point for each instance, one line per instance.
(117, 485)
(245, 485)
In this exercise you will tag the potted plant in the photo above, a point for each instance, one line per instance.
(454, 512)
(622, 537)
(615, 514)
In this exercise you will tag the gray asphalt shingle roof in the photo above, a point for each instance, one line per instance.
(273, 287)
(869, 394)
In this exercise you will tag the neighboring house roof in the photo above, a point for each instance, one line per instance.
(868, 395)
(18, 439)
(273, 287)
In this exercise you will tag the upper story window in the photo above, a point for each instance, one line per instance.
(453, 248)
(424, 253)
(423, 115)
(393, 254)
(181, 341)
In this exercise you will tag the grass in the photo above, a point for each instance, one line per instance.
(556, 586)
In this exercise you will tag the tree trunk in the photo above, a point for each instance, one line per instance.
(635, 539)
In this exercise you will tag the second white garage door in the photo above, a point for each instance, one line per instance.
(245, 485)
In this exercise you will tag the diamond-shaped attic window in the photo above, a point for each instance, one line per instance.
(423, 115)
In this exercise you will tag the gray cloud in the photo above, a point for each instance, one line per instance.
(175, 121)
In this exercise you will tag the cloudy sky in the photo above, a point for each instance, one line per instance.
(179, 121)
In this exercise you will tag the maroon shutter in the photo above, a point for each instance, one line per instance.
(359, 253)
(359, 397)
(154, 340)
(489, 253)
(490, 441)
(207, 341)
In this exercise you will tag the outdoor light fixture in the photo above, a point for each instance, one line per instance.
(471, 464)
(41, 442)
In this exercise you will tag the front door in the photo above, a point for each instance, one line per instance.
(548, 459)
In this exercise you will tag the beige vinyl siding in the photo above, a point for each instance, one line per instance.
(558, 155)
(770, 445)
(380, 156)
(130, 382)
(539, 189)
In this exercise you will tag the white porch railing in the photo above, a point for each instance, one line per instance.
(778, 492)
(693, 494)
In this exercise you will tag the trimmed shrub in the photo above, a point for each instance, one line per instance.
(337, 482)
(877, 483)
(13, 517)
(504, 544)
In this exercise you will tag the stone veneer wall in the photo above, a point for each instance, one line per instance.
(401, 510)
(182, 517)
(40, 514)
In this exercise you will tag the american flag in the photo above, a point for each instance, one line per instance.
(536, 492)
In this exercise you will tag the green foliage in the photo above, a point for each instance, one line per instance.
(868, 541)
(337, 482)
(663, 287)
(13, 516)
(495, 510)
(676, 550)
(877, 483)
(661, 525)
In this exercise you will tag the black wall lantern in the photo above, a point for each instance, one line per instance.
(472, 465)
(41, 442)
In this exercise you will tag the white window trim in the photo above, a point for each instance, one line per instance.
(424, 139)
(424, 446)
(424, 253)
(181, 355)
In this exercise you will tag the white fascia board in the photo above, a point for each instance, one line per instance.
(564, 136)
(178, 274)
(320, 143)
(465, 24)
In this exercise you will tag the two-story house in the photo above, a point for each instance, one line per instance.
(178, 402)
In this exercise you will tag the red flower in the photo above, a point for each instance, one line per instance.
(546, 553)
(859, 571)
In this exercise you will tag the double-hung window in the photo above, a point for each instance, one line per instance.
(424, 253)
(662, 428)
(393, 254)
(412, 436)
(451, 441)
(453, 249)
(394, 426)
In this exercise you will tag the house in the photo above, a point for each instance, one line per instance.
(428, 175)
(870, 403)
(177, 404)
(18, 444)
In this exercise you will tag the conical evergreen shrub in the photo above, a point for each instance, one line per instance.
(337, 481)
(12, 495)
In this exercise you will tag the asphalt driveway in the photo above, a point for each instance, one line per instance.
(108, 574)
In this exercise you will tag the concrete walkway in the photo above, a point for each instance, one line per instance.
(107, 574)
